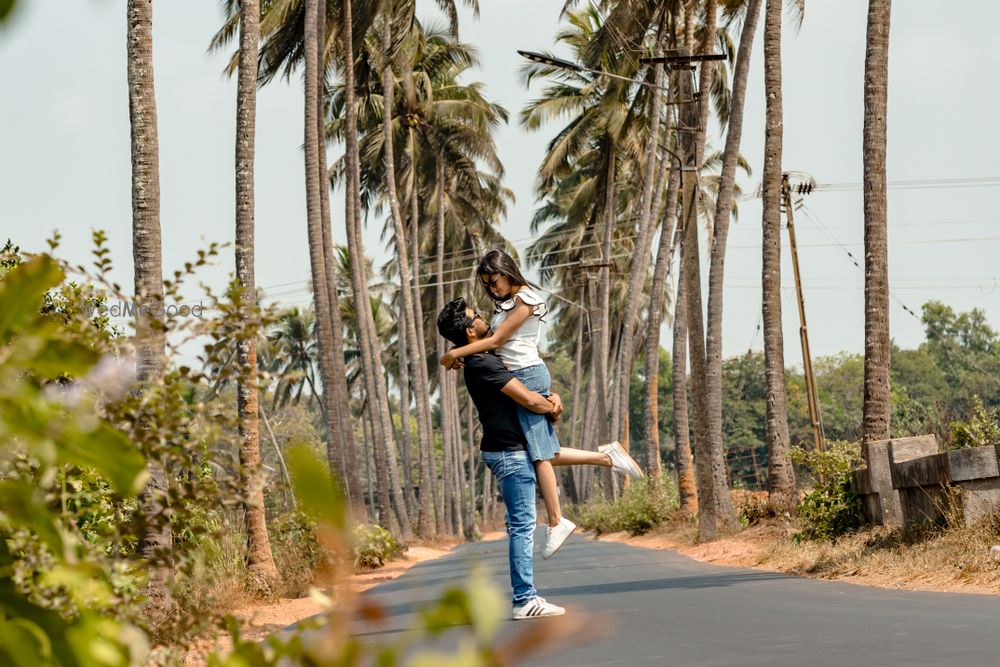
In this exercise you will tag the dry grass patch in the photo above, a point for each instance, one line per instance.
(928, 558)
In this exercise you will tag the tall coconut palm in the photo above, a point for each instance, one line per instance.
(781, 477)
(441, 124)
(714, 502)
(720, 232)
(640, 268)
(600, 124)
(283, 24)
(295, 357)
(259, 558)
(411, 327)
(376, 389)
(146, 246)
(342, 449)
(877, 405)
(314, 226)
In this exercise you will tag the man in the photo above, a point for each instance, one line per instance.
(496, 394)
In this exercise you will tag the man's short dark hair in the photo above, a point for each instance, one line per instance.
(453, 321)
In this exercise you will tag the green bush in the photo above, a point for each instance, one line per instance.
(981, 429)
(646, 504)
(297, 551)
(374, 546)
(831, 509)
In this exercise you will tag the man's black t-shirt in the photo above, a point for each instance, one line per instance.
(485, 376)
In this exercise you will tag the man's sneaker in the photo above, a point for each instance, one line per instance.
(620, 460)
(556, 535)
(536, 607)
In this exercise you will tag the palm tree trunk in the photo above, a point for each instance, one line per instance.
(470, 450)
(314, 219)
(427, 525)
(878, 402)
(576, 426)
(408, 316)
(654, 322)
(441, 496)
(146, 252)
(456, 456)
(724, 201)
(686, 485)
(640, 265)
(378, 502)
(689, 285)
(781, 477)
(602, 342)
(406, 446)
(259, 558)
(715, 504)
(342, 450)
(376, 389)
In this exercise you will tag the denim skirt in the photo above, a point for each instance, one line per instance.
(543, 444)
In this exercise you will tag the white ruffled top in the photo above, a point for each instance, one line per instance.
(521, 349)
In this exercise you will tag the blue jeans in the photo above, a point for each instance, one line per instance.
(516, 476)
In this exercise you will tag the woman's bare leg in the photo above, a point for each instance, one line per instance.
(550, 492)
(567, 456)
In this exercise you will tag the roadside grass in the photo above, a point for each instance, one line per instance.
(949, 557)
(926, 556)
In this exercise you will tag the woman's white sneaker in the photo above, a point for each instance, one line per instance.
(556, 535)
(536, 607)
(621, 461)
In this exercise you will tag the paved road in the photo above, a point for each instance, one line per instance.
(670, 610)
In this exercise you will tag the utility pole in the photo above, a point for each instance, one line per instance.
(814, 416)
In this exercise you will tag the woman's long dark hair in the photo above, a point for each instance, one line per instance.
(499, 262)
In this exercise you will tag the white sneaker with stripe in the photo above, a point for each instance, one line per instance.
(621, 461)
(536, 607)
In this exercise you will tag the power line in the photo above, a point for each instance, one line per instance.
(815, 219)
(968, 239)
(913, 184)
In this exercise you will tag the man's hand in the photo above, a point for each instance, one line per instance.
(557, 406)
(450, 361)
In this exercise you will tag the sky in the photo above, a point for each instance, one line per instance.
(64, 153)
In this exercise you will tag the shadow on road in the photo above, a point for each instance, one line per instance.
(685, 583)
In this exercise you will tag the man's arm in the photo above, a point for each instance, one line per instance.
(527, 399)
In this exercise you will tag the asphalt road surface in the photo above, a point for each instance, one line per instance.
(661, 608)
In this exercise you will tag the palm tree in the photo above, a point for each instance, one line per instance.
(259, 558)
(317, 256)
(600, 135)
(781, 477)
(640, 267)
(442, 125)
(295, 357)
(411, 326)
(342, 451)
(146, 248)
(720, 231)
(375, 385)
(714, 501)
(877, 405)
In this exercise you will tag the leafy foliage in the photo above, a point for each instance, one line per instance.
(981, 429)
(646, 504)
(373, 546)
(831, 508)
(45, 433)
